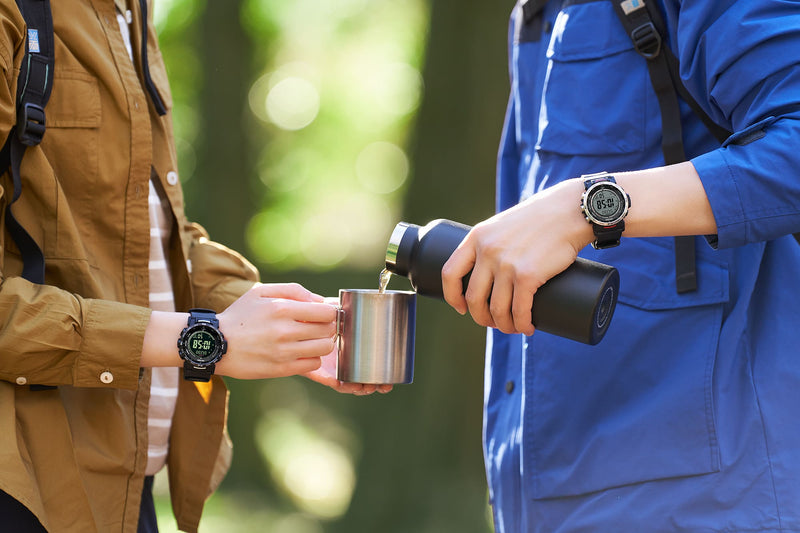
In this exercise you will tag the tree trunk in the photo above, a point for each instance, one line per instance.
(222, 199)
(422, 468)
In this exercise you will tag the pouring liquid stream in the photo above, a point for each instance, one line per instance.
(383, 280)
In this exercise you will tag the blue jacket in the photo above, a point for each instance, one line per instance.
(686, 417)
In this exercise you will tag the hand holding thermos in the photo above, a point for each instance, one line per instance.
(576, 304)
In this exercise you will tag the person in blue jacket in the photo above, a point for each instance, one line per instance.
(686, 416)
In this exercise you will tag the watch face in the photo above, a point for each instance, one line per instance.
(606, 204)
(203, 344)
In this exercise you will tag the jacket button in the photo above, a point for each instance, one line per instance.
(172, 177)
(22, 380)
(106, 377)
(509, 387)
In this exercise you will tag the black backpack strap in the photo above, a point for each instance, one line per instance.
(531, 8)
(36, 73)
(645, 26)
(33, 91)
(32, 256)
(641, 21)
(155, 97)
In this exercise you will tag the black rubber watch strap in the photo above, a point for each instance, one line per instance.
(194, 373)
(607, 236)
(200, 315)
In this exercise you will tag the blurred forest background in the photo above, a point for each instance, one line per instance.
(306, 130)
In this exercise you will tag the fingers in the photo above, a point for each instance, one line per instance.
(478, 293)
(328, 378)
(292, 291)
(313, 347)
(500, 302)
(521, 311)
(301, 311)
(357, 389)
(299, 366)
(367, 389)
(511, 301)
(460, 263)
(361, 389)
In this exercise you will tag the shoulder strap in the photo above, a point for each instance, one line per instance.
(645, 26)
(33, 91)
(155, 97)
(640, 24)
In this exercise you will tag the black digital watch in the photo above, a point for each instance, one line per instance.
(604, 204)
(201, 344)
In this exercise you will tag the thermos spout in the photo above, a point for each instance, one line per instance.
(576, 304)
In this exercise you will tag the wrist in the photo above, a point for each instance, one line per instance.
(579, 233)
(159, 347)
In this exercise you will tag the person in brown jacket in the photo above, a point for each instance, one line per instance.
(92, 397)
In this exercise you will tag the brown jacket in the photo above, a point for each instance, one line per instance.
(75, 455)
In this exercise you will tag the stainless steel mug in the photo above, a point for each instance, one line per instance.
(376, 336)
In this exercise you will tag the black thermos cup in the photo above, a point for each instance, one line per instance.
(576, 304)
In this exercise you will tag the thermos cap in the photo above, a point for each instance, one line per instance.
(393, 246)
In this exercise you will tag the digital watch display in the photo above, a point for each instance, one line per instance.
(201, 344)
(604, 205)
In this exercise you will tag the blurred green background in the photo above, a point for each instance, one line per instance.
(306, 130)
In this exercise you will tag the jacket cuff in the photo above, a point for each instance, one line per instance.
(113, 335)
(725, 199)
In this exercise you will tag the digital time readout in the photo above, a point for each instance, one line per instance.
(202, 344)
(606, 205)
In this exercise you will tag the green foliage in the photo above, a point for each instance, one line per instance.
(334, 100)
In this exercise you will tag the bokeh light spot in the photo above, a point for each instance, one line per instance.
(317, 473)
(271, 236)
(293, 103)
(382, 167)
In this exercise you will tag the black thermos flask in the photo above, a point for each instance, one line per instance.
(576, 304)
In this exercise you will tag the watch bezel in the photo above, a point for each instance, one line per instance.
(588, 209)
(189, 355)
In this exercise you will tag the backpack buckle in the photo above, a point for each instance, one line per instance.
(30, 124)
(646, 40)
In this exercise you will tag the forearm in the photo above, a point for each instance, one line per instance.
(160, 346)
(666, 201)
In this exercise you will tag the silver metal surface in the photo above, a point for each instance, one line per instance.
(376, 336)
(394, 243)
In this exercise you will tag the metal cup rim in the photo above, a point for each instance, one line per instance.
(375, 291)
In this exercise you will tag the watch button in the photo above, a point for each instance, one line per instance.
(106, 377)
